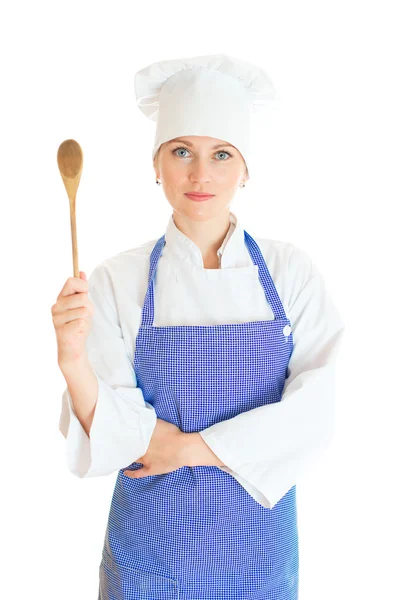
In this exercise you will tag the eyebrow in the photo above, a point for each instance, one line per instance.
(190, 144)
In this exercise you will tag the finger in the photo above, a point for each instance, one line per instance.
(129, 473)
(73, 285)
(135, 474)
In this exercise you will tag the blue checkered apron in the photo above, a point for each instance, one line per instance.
(196, 533)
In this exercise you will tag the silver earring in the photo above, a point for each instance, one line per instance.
(158, 182)
(242, 184)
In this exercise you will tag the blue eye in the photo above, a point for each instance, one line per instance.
(223, 152)
(186, 150)
(180, 149)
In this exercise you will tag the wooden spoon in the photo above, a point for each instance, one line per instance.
(70, 163)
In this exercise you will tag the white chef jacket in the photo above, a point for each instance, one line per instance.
(266, 448)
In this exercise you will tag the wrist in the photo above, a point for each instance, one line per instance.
(67, 366)
(189, 448)
(196, 452)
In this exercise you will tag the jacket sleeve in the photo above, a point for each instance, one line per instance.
(123, 422)
(272, 445)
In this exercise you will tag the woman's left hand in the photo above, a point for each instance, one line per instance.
(164, 453)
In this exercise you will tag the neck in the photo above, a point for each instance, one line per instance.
(206, 235)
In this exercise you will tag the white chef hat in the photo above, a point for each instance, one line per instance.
(214, 95)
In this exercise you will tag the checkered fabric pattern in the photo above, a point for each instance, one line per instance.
(196, 533)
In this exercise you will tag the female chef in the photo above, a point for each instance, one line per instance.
(200, 366)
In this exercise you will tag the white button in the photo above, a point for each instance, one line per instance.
(287, 330)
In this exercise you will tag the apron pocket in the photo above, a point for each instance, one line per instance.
(118, 582)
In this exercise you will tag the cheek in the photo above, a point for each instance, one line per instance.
(173, 177)
(226, 178)
(174, 169)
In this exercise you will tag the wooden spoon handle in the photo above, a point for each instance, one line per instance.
(74, 247)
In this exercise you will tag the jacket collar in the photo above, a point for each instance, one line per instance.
(233, 251)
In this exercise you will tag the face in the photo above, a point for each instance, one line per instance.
(199, 164)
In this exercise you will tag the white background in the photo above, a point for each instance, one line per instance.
(332, 175)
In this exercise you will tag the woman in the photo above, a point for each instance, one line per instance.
(210, 382)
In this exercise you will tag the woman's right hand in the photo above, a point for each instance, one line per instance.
(72, 316)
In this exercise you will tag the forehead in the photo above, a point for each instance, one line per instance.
(197, 140)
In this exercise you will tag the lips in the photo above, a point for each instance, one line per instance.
(199, 195)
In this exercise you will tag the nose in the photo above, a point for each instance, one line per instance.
(200, 171)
